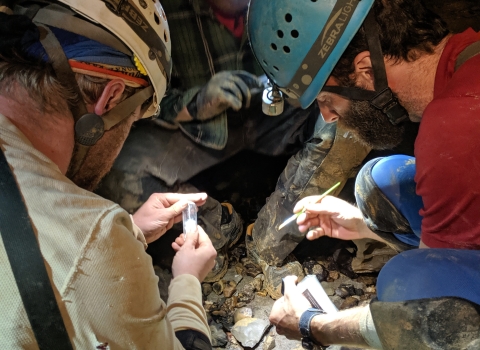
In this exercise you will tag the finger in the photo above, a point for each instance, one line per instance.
(315, 233)
(175, 246)
(192, 239)
(308, 223)
(203, 238)
(169, 224)
(304, 202)
(301, 219)
(180, 240)
(244, 90)
(197, 198)
(250, 79)
(232, 96)
(176, 209)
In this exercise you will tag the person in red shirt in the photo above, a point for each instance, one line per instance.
(370, 65)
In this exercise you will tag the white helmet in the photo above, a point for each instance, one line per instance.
(140, 25)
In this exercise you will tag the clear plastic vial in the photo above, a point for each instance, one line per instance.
(189, 217)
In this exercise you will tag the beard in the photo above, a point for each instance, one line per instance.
(371, 126)
(101, 156)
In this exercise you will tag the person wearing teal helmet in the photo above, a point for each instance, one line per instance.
(369, 65)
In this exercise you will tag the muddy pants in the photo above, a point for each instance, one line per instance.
(388, 183)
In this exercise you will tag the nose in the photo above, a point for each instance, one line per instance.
(328, 114)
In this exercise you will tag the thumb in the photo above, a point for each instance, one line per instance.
(202, 237)
(176, 208)
(192, 238)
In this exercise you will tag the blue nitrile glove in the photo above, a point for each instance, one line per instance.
(228, 89)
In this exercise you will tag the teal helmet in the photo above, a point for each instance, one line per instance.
(299, 42)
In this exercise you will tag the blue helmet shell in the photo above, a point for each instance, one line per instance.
(299, 42)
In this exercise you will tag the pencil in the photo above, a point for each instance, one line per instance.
(296, 215)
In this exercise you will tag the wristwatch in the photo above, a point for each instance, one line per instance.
(304, 326)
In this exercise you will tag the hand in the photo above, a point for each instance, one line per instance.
(331, 217)
(228, 89)
(195, 255)
(287, 310)
(162, 210)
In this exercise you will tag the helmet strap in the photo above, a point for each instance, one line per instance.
(382, 98)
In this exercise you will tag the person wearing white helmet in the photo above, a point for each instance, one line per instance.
(74, 76)
(370, 65)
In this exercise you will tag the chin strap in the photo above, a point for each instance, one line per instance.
(382, 98)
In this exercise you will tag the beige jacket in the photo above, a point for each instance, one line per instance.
(104, 281)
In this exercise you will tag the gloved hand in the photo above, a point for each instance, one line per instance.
(228, 89)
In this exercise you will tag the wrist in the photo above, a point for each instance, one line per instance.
(317, 333)
(306, 326)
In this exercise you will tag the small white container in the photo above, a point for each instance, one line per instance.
(189, 218)
(311, 289)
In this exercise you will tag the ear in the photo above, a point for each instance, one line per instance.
(110, 97)
(363, 70)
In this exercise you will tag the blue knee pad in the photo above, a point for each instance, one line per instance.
(431, 273)
(394, 176)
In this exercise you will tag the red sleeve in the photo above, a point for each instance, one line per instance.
(447, 153)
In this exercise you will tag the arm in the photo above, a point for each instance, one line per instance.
(352, 327)
(113, 292)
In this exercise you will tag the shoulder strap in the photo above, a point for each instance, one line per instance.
(28, 266)
(467, 53)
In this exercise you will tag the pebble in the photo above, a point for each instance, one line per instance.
(348, 303)
(206, 289)
(249, 331)
(219, 337)
(229, 289)
(240, 314)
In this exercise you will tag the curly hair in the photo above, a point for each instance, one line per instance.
(407, 30)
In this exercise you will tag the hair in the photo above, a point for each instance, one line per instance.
(39, 79)
(46, 91)
(407, 30)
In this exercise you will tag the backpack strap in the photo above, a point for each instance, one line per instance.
(469, 52)
(27, 265)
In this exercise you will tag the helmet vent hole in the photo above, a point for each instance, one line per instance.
(294, 33)
(165, 36)
(273, 75)
(314, 0)
(280, 33)
(286, 49)
(265, 63)
(157, 20)
(276, 68)
(288, 17)
(274, 47)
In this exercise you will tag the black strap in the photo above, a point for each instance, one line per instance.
(382, 98)
(28, 266)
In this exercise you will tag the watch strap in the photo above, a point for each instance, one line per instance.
(304, 326)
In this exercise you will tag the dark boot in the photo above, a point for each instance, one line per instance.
(332, 157)
(273, 274)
